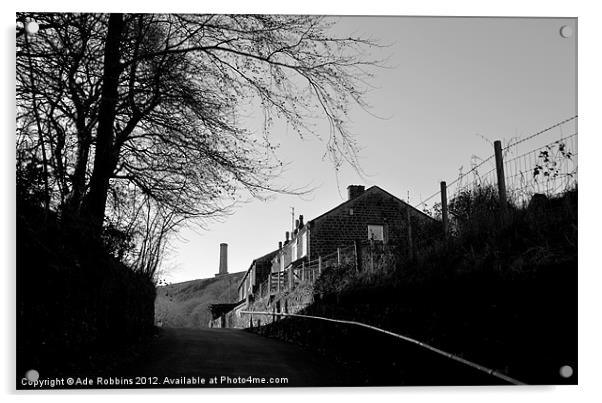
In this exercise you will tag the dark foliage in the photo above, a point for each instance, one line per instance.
(502, 295)
(75, 300)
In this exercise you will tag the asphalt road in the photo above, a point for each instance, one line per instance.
(234, 354)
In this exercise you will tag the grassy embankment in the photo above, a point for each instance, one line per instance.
(80, 310)
(187, 304)
(504, 296)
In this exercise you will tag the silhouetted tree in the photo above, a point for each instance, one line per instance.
(122, 106)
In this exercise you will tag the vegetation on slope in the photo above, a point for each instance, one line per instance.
(187, 304)
(504, 296)
(76, 302)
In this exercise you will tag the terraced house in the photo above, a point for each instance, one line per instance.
(368, 215)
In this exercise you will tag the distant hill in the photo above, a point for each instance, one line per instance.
(187, 304)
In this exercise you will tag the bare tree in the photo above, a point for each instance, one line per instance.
(135, 105)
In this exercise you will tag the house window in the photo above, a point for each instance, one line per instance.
(376, 232)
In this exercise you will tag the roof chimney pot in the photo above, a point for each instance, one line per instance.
(354, 191)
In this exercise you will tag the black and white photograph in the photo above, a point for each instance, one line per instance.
(221, 201)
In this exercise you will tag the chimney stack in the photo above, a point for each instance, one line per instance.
(301, 221)
(223, 259)
(280, 245)
(287, 234)
(354, 191)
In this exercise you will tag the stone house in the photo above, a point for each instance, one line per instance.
(367, 214)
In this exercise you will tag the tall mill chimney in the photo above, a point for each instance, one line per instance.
(223, 259)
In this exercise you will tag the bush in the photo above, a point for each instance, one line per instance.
(73, 297)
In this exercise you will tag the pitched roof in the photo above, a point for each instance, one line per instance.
(370, 189)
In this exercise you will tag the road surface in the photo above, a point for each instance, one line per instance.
(179, 354)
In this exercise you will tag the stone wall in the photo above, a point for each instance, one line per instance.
(292, 302)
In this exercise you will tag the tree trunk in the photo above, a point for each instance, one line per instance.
(79, 173)
(105, 161)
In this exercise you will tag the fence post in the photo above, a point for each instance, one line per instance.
(357, 252)
(371, 251)
(303, 274)
(444, 216)
(409, 230)
(501, 179)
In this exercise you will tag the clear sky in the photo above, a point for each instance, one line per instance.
(454, 85)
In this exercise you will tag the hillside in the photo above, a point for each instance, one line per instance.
(504, 296)
(187, 304)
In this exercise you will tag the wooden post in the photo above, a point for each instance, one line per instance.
(444, 216)
(409, 232)
(303, 276)
(291, 279)
(501, 179)
(357, 252)
(319, 264)
(338, 256)
(278, 284)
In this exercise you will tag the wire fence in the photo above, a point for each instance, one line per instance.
(548, 168)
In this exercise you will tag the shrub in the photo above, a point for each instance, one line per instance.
(73, 296)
